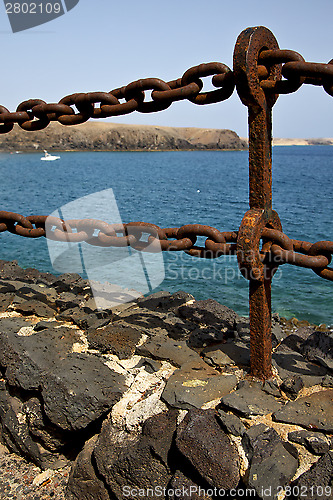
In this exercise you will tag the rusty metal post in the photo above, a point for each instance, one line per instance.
(248, 46)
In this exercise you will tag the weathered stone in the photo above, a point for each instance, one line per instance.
(34, 307)
(317, 482)
(44, 325)
(115, 339)
(316, 442)
(155, 300)
(6, 300)
(164, 300)
(319, 348)
(16, 434)
(67, 300)
(203, 337)
(76, 389)
(126, 461)
(82, 391)
(295, 340)
(271, 386)
(162, 347)
(177, 328)
(234, 353)
(203, 443)
(231, 423)
(83, 483)
(272, 462)
(40, 293)
(48, 434)
(313, 412)
(159, 431)
(209, 312)
(196, 384)
(150, 321)
(70, 282)
(290, 363)
(183, 488)
(327, 381)
(250, 399)
(292, 386)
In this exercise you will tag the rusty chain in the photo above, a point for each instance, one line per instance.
(36, 114)
(277, 247)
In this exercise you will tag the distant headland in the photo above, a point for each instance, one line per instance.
(119, 137)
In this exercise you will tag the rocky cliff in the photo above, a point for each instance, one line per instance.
(118, 137)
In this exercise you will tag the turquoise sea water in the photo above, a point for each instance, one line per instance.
(178, 188)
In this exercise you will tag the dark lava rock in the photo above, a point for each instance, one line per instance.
(130, 461)
(83, 483)
(250, 399)
(316, 442)
(317, 482)
(67, 300)
(41, 428)
(71, 282)
(272, 462)
(183, 488)
(313, 412)
(319, 348)
(209, 312)
(164, 300)
(233, 353)
(115, 339)
(290, 363)
(292, 386)
(230, 423)
(327, 381)
(34, 307)
(40, 293)
(159, 431)
(196, 384)
(162, 347)
(150, 321)
(76, 389)
(15, 432)
(204, 337)
(207, 447)
(83, 390)
(271, 386)
(6, 300)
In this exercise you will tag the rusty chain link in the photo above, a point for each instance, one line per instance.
(281, 249)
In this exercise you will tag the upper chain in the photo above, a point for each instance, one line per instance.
(143, 236)
(36, 114)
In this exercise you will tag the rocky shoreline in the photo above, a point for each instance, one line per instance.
(152, 398)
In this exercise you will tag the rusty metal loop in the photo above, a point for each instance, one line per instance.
(51, 111)
(6, 127)
(86, 110)
(134, 89)
(223, 78)
(271, 57)
(104, 98)
(178, 91)
(31, 124)
(250, 43)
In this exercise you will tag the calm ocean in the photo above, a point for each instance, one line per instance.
(177, 188)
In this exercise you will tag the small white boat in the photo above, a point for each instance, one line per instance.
(48, 157)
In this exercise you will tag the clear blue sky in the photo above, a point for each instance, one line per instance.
(103, 44)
